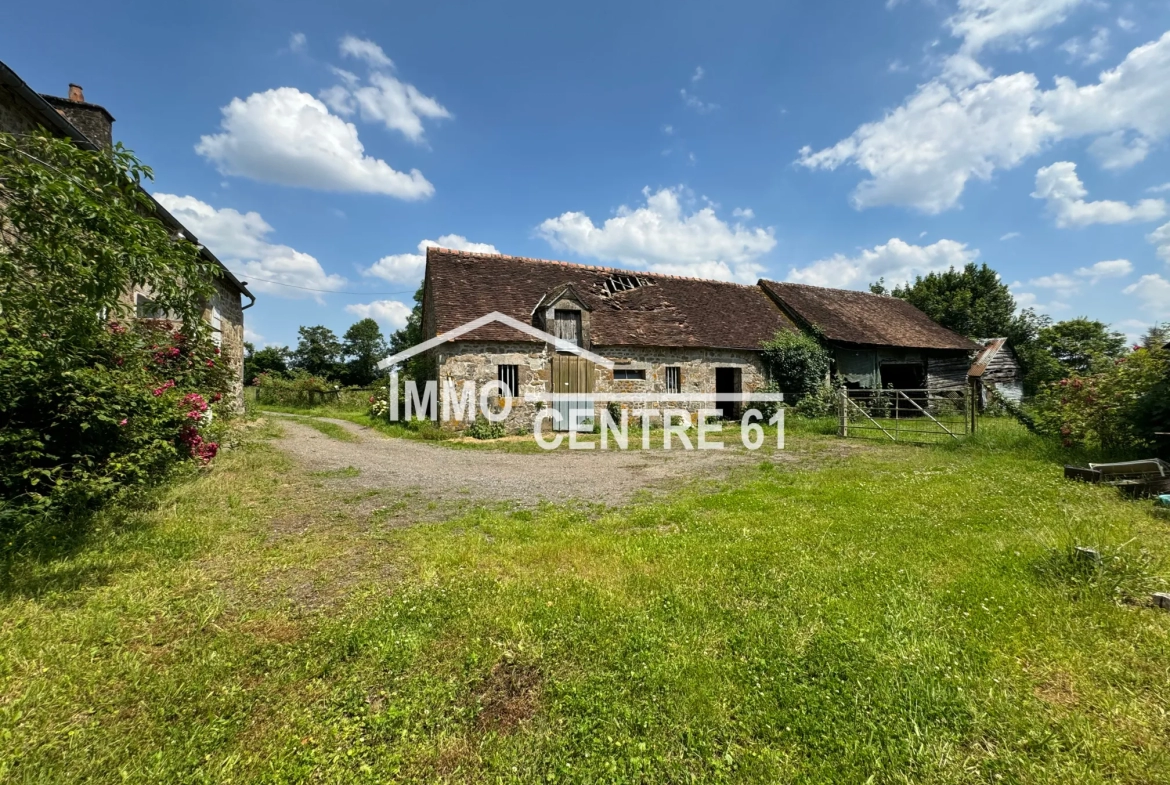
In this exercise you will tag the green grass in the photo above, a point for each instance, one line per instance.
(882, 614)
(330, 429)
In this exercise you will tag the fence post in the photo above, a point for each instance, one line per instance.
(843, 427)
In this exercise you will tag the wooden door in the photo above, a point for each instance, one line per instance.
(571, 384)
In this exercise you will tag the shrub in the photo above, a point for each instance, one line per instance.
(797, 364)
(89, 408)
(484, 428)
(1115, 410)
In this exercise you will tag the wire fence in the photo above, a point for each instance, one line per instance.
(919, 416)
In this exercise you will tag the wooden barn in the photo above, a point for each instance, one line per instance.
(997, 368)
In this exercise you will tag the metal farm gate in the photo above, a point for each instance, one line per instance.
(920, 416)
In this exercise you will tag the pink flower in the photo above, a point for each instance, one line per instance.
(124, 421)
(211, 363)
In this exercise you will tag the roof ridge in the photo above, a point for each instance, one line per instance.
(827, 288)
(598, 268)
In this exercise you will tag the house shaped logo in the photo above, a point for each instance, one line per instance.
(560, 344)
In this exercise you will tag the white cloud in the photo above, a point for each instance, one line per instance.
(1128, 25)
(658, 236)
(982, 22)
(897, 261)
(296, 42)
(1113, 151)
(409, 267)
(253, 337)
(1114, 268)
(1010, 236)
(694, 102)
(924, 152)
(1088, 52)
(1153, 292)
(1157, 189)
(367, 51)
(743, 213)
(699, 73)
(1059, 185)
(1061, 284)
(668, 130)
(385, 99)
(240, 241)
(1161, 238)
(388, 312)
(1026, 300)
(897, 67)
(288, 137)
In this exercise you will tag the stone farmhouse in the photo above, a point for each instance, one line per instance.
(22, 110)
(664, 333)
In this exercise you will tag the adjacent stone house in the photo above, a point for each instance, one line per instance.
(22, 110)
(877, 341)
(664, 333)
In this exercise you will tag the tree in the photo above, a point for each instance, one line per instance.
(1157, 337)
(1079, 346)
(973, 301)
(318, 351)
(365, 347)
(421, 366)
(270, 359)
(796, 362)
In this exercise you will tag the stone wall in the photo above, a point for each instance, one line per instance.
(15, 118)
(478, 362)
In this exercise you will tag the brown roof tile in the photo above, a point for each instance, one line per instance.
(668, 311)
(865, 319)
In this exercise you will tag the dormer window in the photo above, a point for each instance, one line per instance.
(567, 325)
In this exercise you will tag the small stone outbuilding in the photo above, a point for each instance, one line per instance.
(877, 341)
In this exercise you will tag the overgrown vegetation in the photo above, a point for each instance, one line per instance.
(90, 408)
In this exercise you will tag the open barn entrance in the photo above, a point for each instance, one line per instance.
(727, 391)
(903, 376)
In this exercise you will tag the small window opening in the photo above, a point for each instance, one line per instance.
(629, 374)
(146, 308)
(216, 327)
(673, 379)
(624, 283)
(509, 377)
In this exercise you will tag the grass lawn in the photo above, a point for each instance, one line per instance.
(902, 614)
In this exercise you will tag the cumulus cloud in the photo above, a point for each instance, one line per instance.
(1114, 268)
(1060, 283)
(1025, 300)
(897, 261)
(384, 98)
(1153, 293)
(1090, 51)
(924, 152)
(288, 137)
(1119, 150)
(1059, 185)
(1160, 237)
(367, 51)
(409, 267)
(389, 312)
(240, 241)
(661, 237)
(982, 22)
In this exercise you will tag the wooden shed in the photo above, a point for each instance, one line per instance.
(997, 367)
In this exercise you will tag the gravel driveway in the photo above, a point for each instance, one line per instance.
(435, 472)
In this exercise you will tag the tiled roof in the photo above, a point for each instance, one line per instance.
(663, 310)
(864, 319)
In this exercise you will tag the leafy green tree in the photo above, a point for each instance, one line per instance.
(270, 359)
(973, 301)
(318, 352)
(1157, 337)
(91, 408)
(1079, 347)
(365, 347)
(421, 366)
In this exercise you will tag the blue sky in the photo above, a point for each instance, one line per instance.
(830, 143)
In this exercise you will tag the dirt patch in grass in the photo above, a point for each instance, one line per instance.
(1057, 690)
(508, 697)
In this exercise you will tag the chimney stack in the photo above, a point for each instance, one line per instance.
(92, 120)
